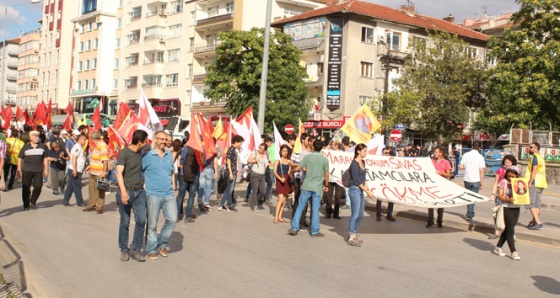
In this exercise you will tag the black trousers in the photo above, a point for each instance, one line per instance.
(431, 216)
(30, 179)
(511, 216)
(335, 193)
(9, 171)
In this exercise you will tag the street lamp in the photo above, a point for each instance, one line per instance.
(4, 44)
(386, 60)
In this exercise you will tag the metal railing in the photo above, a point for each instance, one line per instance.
(206, 47)
(308, 43)
(215, 18)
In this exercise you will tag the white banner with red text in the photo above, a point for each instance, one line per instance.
(404, 180)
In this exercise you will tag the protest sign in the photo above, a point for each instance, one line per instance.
(402, 180)
(520, 191)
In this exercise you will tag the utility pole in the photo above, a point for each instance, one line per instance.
(264, 73)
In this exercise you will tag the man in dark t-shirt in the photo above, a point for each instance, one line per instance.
(31, 163)
(132, 196)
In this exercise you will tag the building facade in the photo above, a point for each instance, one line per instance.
(353, 50)
(9, 68)
(28, 69)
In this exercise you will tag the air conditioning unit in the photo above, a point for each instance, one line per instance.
(98, 19)
(34, 79)
(162, 39)
(163, 12)
(36, 51)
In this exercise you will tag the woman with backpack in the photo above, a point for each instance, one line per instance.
(356, 193)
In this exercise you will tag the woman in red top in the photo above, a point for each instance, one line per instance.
(443, 168)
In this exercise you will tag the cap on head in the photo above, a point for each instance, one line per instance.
(34, 133)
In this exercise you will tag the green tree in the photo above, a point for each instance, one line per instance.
(440, 83)
(524, 88)
(235, 76)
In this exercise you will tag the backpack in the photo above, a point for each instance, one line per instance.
(346, 178)
(190, 166)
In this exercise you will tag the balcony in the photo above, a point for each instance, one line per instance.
(11, 77)
(205, 47)
(199, 78)
(13, 53)
(308, 43)
(313, 81)
(218, 21)
(12, 65)
(161, 37)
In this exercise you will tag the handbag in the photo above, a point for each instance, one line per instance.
(103, 184)
(498, 213)
(223, 181)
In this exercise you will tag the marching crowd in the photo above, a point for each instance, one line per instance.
(157, 177)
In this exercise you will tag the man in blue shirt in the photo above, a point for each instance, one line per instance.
(157, 166)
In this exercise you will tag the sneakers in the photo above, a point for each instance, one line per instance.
(320, 235)
(493, 236)
(256, 210)
(136, 255)
(429, 226)
(468, 218)
(500, 252)
(515, 256)
(292, 232)
(207, 207)
(231, 209)
(221, 208)
(163, 252)
(378, 217)
(153, 256)
(190, 219)
(125, 256)
(536, 226)
(390, 217)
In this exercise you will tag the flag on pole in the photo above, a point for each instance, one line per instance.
(129, 126)
(67, 125)
(49, 114)
(361, 125)
(116, 143)
(96, 117)
(206, 130)
(122, 113)
(20, 116)
(7, 117)
(218, 130)
(70, 112)
(147, 117)
(278, 142)
(28, 119)
(195, 142)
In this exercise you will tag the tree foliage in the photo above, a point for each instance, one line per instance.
(236, 76)
(524, 88)
(439, 84)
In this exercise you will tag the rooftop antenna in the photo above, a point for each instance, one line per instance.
(484, 10)
(409, 3)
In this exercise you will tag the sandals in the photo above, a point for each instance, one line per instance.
(354, 242)
(282, 220)
(275, 220)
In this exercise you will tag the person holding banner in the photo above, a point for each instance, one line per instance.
(511, 213)
(356, 193)
(282, 170)
(443, 168)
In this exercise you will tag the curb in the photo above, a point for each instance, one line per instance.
(479, 227)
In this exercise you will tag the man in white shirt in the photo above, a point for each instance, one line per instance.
(474, 166)
(76, 169)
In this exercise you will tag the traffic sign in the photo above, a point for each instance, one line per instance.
(400, 126)
(395, 135)
(289, 128)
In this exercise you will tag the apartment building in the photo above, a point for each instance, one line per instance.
(9, 51)
(28, 69)
(353, 50)
(95, 33)
(56, 51)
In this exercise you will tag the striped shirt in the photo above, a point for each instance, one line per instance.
(97, 157)
(33, 157)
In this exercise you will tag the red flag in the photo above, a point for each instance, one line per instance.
(116, 143)
(20, 116)
(209, 145)
(28, 120)
(245, 120)
(195, 143)
(49, 114)
(70, 112)
(40, 115)
(96, 118)
(67, 125)
(90, 140)
(210, 126)
(129, 126)
(7, 116)
(121, 115)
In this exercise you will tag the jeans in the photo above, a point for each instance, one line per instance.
(259, 183)
(57, 179)
(169, 208)
(206, 181)
(357, 206)
(74, 186)
(136, 202)
(511, 216)
(315, 204)
(31, 179)
(270, 180)
(474, 187)
(228, 194)
(378, 207)
(9, 170)
(185, 186)
(295, 202)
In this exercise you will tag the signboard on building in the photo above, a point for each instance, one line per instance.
(335, 63)
(306, 29)
(323, 124)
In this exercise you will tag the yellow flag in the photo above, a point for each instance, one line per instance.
(219, 130)
(82, 121)
(361, 125)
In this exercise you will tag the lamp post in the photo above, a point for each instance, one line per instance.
(4, 65)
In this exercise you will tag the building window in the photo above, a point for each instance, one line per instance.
(192, 19)
(136, 13)
(90, 26)
(94, 63)
(115, 84)
(229, 7)
(289, 11)
(80, 66)
(189, 71)
(172, 79)
(116, 63)
(118, 42)
(393, 40)
(173, 55)
(188, 96)
(95, 43)
(367, 34)
(92, 83)
(87, 64)
(86, 84)
(191, 44)
(175, 7)
(213, 11)
(175, 30)
(472, 53)
(119, 22)
(88, 45)
(366, 69)
(79, 85)
(89, 6)
(81, 46)
(364, 99)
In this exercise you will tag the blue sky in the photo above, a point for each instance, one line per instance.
(21, 18)
(24, 18)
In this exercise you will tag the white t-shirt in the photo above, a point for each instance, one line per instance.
(473, 162)
(78, 151)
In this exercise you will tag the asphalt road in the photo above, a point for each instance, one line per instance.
(70, 253)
